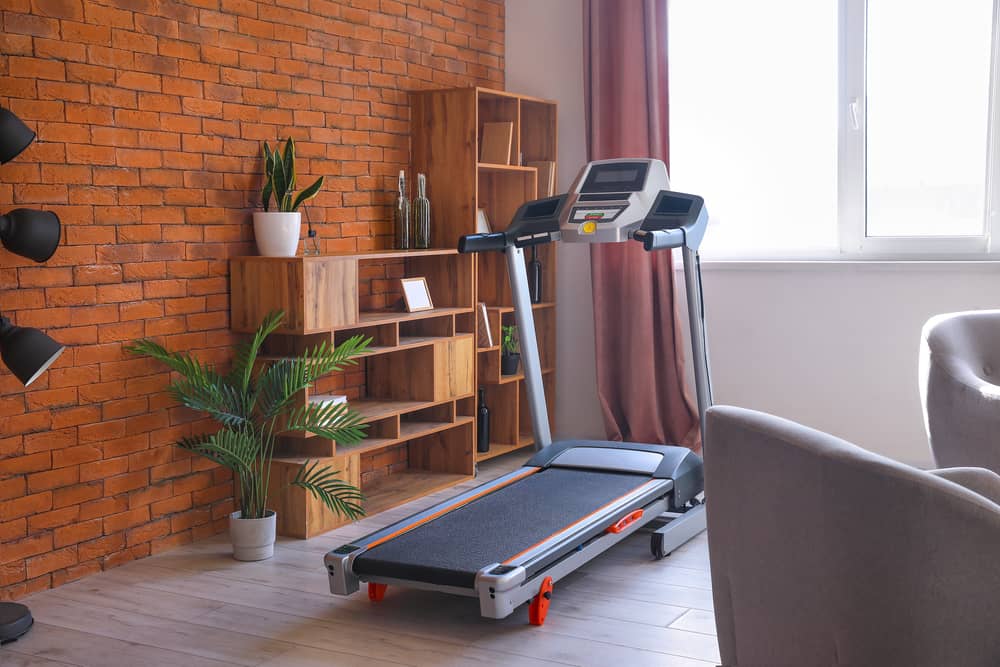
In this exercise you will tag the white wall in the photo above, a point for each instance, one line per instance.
(834, 345)
(831, 345)
(544, 54)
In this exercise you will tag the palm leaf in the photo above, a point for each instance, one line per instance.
(308, 193)
(284, 379)
(246, 354)
(334, 421)
(236, 450)
(338, 496)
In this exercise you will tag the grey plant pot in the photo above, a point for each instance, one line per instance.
(253, 539)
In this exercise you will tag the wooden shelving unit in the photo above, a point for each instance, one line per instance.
(446, 130)
(415, 387)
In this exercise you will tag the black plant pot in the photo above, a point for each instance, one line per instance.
(509, 363)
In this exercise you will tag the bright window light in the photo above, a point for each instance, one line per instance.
(753, 122)
(928, 87)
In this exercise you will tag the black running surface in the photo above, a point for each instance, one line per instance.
(451, 549)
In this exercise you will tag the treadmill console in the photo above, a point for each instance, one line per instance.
(610, 199)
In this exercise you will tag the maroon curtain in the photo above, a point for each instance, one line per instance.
(640, 360)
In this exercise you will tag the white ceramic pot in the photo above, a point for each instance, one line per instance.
(253, 539)
(277, 234)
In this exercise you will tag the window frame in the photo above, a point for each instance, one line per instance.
(851, 160)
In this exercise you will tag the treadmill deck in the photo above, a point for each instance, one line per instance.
(452, 548)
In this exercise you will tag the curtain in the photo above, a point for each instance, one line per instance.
(640, 360)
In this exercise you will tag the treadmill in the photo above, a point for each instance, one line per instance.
(508, 541)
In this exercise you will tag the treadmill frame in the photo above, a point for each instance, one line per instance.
(503, 587)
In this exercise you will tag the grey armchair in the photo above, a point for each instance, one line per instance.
(959, 378)
(823, 553)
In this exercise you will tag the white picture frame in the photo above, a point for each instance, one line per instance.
(482, 222)
(416, 296)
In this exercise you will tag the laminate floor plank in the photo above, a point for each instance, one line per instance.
(195, 606)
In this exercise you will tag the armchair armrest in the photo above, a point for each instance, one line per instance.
(979, 480)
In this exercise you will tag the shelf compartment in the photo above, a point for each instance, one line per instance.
(402, 487)
(500, 449)
(441, 371)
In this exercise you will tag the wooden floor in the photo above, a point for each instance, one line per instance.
(197, 607)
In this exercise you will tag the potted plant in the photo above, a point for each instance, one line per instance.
(510, 354)
(277, 232)
(253, 403)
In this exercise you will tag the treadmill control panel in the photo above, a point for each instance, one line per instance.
(610, 199)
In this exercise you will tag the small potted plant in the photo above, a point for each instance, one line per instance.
(253, 403)
(510, 354)
(277, 232)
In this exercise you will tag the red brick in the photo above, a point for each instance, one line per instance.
(77, 532)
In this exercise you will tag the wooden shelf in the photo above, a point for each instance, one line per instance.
(500, 168)
(415, 429)
(499, 449)
(517, 377)
(404, 486)
(535, 306)
(415, 388)
(447, 128)
(370, 319)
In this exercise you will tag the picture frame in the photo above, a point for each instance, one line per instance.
(416, 296)
(485, 338)
(482, 222)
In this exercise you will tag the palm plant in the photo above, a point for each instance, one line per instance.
(254, 403)
(279, 174)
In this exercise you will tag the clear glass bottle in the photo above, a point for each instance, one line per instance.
(401, 215)
(422, 214)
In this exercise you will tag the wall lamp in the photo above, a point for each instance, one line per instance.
(15, 136)
(27, 352)
(31, 234)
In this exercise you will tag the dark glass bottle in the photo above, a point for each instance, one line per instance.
(535, 277)
(482, 424)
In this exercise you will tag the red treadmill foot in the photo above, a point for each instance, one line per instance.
(376, 591)
(539, 607)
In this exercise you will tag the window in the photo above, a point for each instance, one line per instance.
(836, 128)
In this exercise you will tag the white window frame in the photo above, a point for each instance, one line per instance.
(851, 200)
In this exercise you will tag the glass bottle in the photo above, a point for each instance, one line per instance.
(422, 214)
(401, 215)
(482, 424)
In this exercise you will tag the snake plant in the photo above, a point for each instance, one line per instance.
(279, 174)
(254, 402)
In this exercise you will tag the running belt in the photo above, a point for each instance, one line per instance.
(452, 548)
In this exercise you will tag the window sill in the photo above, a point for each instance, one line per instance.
(986, 265)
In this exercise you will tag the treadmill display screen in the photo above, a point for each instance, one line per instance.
(673, 206)
(616, 177)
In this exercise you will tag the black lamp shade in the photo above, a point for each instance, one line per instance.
(29, 233)
(15, 136)
(25, 351)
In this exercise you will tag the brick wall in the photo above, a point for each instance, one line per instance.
(149, 116)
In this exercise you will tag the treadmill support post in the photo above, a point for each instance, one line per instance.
(699, 344)
(524, 315)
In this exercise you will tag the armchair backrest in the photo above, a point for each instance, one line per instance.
(823, 553)
(960, 388)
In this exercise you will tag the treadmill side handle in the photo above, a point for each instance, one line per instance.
(624, 522)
